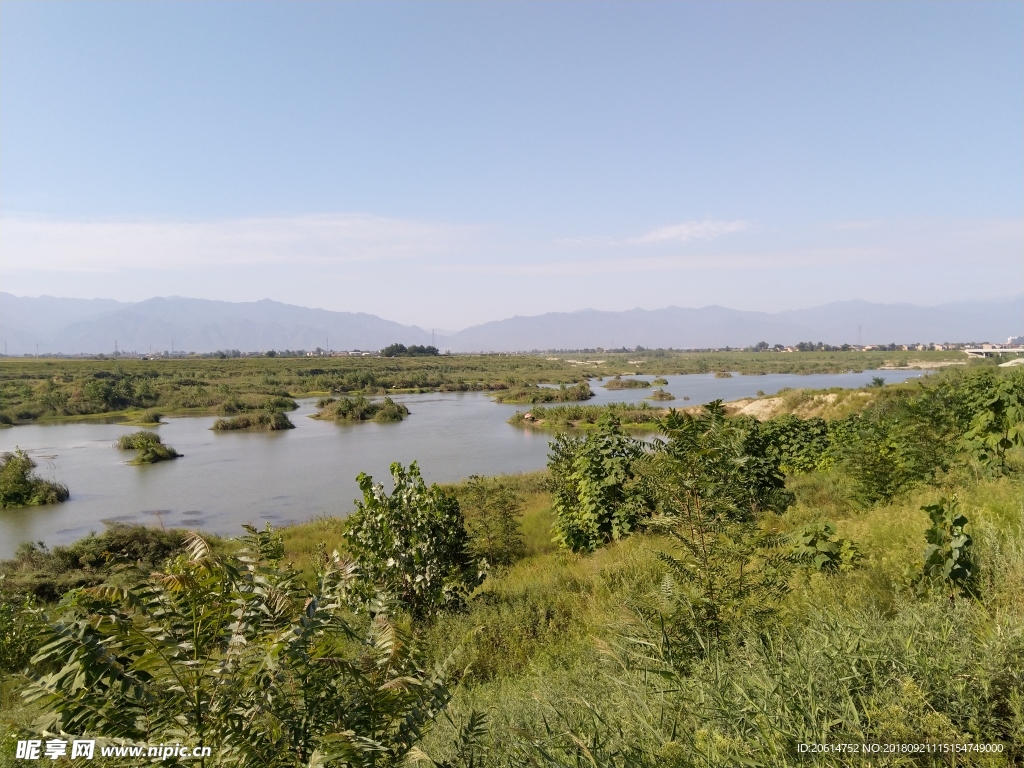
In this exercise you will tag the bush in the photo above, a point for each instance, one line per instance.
(150, 449)
(265, 420)
(412, 545)
(620, 383)
(20, 488)
(44, 574)
(360, 409)
(597, 496)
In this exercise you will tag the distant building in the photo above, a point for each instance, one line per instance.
(1015, 341)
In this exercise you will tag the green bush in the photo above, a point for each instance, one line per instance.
(411, 545)
(20, 488)
(597, 496)
(361, 409)
(150, 448)
(264, 420)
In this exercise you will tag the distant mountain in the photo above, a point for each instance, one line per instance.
(838, 323)
(73, 326)
(195, 325)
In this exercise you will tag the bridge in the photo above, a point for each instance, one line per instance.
(990, 351)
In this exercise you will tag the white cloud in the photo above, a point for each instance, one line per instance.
(30, 243)
(691, 230)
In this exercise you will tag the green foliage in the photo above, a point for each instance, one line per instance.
(948, 558)
(998, 424)
(816, 545)
(413, 350)
(641, 416)
(264, 420)
(596, 494)
(19, 623)
(360, 409)
(19, 487)
(46, 575)
(537, 394)
(661, 394)
(631, 383)
(492, 510)
(799, 444)
(411, 545)
(149, 447)
(233, 653)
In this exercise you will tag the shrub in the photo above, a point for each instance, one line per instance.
(20, 488)
(150, 449)
(948, 558)
(265, 420)
(816, 545)
(234, 653)
(360, 409)
(597, 495)
(620, 383)
(411, 544)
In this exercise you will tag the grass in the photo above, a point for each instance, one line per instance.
(620, 383)
(537, 394)
(150, 449)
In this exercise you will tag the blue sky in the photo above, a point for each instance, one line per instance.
(450, 163)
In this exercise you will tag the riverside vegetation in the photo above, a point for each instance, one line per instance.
(129, 388)
(715, 597)
(360, 409)
(149, 446)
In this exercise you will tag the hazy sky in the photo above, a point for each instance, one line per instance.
(450, 163)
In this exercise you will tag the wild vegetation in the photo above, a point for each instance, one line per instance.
(265, 421)
(641, 417)
(661, 394)
(72, 388)
(631, 383)
(150, 448)
(20, 487)
(716, 597)
(360, 409)
(538, 394)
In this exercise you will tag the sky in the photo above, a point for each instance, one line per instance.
(449, 163)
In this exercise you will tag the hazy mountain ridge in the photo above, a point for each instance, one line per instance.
(72, 326)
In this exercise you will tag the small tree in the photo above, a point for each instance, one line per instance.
(598, 497)
(492, 520)
(412, 545)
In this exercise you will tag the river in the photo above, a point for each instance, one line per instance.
(229, 478)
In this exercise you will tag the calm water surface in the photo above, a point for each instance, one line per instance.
(229, 478)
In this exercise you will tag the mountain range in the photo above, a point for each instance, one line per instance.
(73, 326)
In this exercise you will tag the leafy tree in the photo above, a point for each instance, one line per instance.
(412, 545)
(231, 652)
(393, 350)
(597, 496)
(711, 478)
(799, 444)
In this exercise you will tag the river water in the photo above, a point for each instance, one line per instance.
(229, 478)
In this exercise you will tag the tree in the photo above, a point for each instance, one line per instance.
(411, 545)
(711, 478)
(998, 424)
(597, 495)
(492, 522)
(233, 653)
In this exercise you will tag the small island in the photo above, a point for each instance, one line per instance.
(661, 394)
(19, 487)
(360, 409)
(263, 421)
(149, 446)
(661, 381)
(536, 394)
(620, 383)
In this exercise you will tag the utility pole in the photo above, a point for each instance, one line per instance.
(115, 346)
